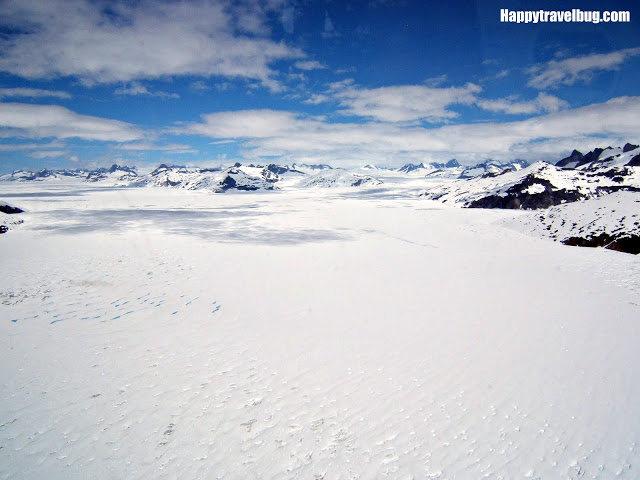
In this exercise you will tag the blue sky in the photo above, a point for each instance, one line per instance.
(90, 83)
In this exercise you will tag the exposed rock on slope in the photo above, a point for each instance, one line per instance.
(9, 209)
(116, 173)
(600, 157)
(212, 179)
(531, 193)
(7, 218)
(611, 221)
(541, 185)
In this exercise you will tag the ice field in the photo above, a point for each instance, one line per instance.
(336, 334)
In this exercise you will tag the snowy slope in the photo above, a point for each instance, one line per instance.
(612, 221)
(540, 185)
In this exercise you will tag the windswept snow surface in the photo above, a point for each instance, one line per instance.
(161, 333)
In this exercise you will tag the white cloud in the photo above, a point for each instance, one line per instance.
(316, 99)
(170, 148)
(43, 121)
(572, 70)
(309, 65)
(436, 81)
(199, 86)
(136, 88)
(406, 103)
(244, 124)
(48, 154)
(140, 40)
(543, 103)
(297, 138)
(18, 147)
(337, 86)
(32, 93)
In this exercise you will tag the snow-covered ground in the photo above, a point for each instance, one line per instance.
(161, 333)
(613, 214)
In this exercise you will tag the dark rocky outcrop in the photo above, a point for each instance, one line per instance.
(453, 163)
(572, 160)
(10, 210)
(238, 180)
(629, 147)
(161, 168)
(278, 170)
(227, 183)
(410, 167)
(622, 243)
(591, 156)
(588, 158)
(634, 162)
(517, 198)
(5, 208)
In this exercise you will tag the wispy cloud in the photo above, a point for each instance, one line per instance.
(329, 30)
(309, 65)
(48, 154)
(295, 137)
(177, 148)
(32, 93)
(405, 103)
(126, 41)
(316, 99)
(577, 69)
(44, 121)
(436, 81)
(136, 88)
(19, 147)
(543, 103)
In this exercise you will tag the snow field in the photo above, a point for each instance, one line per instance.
(309, 335)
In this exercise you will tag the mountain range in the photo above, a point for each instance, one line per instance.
(489, 184)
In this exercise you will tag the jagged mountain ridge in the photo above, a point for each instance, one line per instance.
(489, 184)
(211, 179)
(452, 169)
(543, 185)
(603, 156)
(118, 172)
(236, 177)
